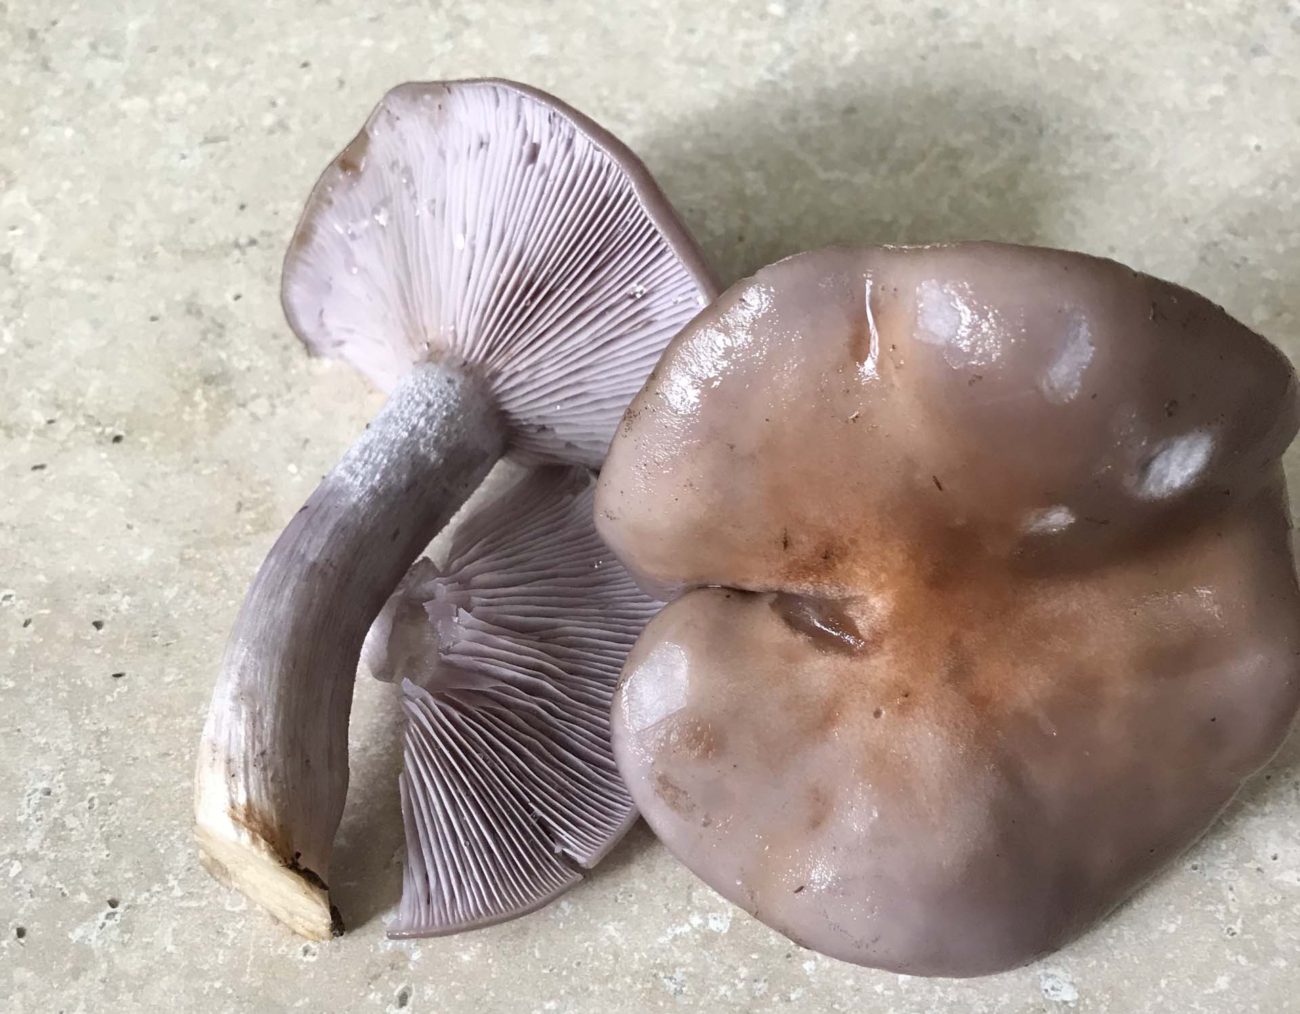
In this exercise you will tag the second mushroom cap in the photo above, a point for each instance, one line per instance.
(994, 604)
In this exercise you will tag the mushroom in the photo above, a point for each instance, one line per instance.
(988, 604)
(508, 655)
(509, 272)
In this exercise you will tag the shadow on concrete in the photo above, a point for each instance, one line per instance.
(773, 172)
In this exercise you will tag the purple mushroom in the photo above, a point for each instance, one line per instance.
(509, 273)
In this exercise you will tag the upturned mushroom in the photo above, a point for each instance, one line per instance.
(508, 654)
(988, 597)
(509, 272)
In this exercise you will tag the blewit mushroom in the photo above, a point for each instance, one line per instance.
(509, 272)
(509, 654)
(992, 604)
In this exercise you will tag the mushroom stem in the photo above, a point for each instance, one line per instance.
(272, 770)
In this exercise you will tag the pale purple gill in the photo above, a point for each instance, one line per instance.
(508, 655)
(509, 272)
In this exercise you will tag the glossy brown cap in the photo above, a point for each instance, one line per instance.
(1005, 605)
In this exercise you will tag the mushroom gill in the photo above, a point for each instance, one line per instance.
(508, 655)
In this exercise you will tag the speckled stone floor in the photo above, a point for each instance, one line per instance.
(158, 423)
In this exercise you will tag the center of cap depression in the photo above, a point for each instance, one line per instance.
(830, 624)
(993, 599)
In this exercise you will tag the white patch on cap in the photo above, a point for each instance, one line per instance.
(1049, 520)
(712, 351)
(1064, 378)
(655, 689)
(681, 391)
(869, 368)
(1175, 465)
(948, 316)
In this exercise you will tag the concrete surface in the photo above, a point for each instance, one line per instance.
(158, 424)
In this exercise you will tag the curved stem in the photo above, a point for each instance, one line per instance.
(272, 769)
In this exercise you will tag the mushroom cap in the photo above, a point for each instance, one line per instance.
(489, 222)
(508, 656)
(1005, 607)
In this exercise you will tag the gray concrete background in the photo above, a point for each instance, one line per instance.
(159, 423)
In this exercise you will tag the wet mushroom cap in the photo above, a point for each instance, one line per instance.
(1004, 607)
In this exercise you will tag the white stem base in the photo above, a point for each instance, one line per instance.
(246, 862)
